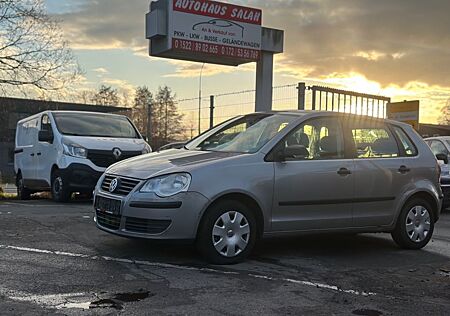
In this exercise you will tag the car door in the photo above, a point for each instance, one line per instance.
(381, 172)
(45, 153)
(314, 191)
(25, 157)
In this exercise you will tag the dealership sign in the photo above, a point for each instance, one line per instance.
(207, 31)
(406, 112)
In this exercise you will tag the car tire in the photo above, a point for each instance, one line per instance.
(415, 225)
(22, 192)
(227, 233)
(60, 190)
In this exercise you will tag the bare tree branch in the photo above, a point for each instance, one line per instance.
(33, 52)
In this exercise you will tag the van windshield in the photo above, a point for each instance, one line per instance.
(96, 125)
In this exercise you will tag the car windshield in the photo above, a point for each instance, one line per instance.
(97, 125)
(245, 135)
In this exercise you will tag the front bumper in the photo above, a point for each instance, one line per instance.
(145, 215)
(81, 177)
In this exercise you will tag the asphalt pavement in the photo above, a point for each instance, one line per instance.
(53, 260)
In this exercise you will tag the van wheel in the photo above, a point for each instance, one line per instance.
(228, 233)
(60, 191)
(22, 192)
(415, 225)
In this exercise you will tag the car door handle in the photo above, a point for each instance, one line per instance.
(39, 154)
(404, 169)
(344, 172)
(32, 155)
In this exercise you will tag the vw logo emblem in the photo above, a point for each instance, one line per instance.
(117, 153)
(113, 185)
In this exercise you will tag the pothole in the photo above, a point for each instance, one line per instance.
(116, 301)
(367, 312)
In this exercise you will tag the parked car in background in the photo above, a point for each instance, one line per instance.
(440, 146)
(177, 145)
(273, 173)
(65, 152)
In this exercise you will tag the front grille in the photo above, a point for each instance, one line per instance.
(105, 158)
(108, 221)
(146, 226)
(124, 187)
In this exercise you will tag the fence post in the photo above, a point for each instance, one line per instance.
(313, 106)
(211, 111)
(301, 95)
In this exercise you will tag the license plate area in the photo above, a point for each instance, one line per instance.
(108, 206)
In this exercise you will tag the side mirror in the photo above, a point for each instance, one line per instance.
(294, 151)
(442, 157)
(46, 136)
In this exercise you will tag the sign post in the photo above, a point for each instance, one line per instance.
(217, 33)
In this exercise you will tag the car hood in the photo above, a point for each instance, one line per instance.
(175, 160)
(105, 143)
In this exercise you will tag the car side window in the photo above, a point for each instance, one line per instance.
(374, 141)
(321, 138)
(438, 147)
(408, 146)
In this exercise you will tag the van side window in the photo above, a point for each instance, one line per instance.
(374, 142)
(27, 133)
(410, 149)
(322, 138)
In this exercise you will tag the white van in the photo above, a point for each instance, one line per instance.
(65, 152)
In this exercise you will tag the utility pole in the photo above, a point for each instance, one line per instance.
(200, 101)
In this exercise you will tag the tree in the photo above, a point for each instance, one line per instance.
(445, 117)
(106, 95)
(166, 122)
(143, 101)
(33, 54)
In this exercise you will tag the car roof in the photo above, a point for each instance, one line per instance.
(69, 112)
(311, 113)
(438, 138)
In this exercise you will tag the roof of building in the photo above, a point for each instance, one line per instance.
(36, 106)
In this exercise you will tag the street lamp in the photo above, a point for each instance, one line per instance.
(200, 101)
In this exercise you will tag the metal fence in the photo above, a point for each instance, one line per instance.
(214, 109)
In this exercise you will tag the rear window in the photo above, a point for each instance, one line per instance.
(408, 146)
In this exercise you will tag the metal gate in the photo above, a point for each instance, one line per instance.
(330, 99)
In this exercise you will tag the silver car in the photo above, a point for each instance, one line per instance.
(277, 172)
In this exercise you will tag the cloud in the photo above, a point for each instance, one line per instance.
(101, 70)
(386, 41)
(399, 45)
(186, 69)
(391, 42)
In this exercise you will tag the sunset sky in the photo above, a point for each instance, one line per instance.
(397, 48)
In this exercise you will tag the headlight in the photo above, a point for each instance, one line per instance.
(74, 150)
(147, 149)
(169, 185)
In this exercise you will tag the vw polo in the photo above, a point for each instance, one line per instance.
(277, 172)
